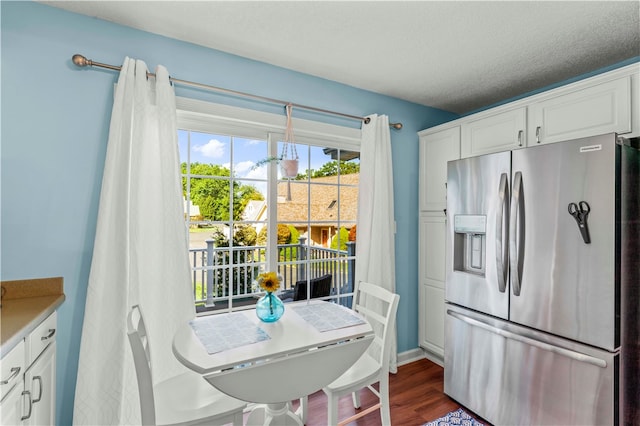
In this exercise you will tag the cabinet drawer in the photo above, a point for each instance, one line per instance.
(12, 369)
(40, 338)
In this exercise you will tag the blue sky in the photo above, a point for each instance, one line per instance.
(245, 153)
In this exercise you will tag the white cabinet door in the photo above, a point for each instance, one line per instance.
(40, 381)
(595, 110)
(494, 133)
(433, 321)
(11, 406)
(12, 369)
(432, 276)
(435, 150)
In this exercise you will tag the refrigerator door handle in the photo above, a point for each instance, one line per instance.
(516, 234)
(578, 356)
(501, 245)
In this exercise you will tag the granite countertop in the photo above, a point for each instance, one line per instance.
(25, 304)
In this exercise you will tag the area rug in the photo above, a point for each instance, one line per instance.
(458, 417)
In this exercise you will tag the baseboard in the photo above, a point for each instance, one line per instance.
(436, 359)
(417, 354)
(410, 356)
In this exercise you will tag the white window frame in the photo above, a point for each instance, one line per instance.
(207, 117)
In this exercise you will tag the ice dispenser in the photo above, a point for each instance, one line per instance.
(469, 243)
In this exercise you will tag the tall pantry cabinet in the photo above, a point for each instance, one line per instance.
(436, 148)
(606, 103)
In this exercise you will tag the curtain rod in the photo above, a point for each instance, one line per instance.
(82, 61)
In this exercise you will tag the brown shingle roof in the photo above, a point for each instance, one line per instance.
(323, 202)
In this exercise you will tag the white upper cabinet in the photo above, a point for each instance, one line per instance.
(435, 150)
(493, 133)
(597, 105)
(594, 110)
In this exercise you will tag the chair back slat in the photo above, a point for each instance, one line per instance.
(379, 306)
(139, 342)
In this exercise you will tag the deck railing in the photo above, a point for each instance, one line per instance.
(224, 275)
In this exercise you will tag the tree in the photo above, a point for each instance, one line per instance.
(245, 235)
(295, 239)
(212, 195)
(344, 237)
(284, 235)
(242, 275)
(352, 233)
(331, 168)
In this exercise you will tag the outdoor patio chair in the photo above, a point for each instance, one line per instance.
(320, 287)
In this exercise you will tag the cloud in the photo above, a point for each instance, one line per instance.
(257, 173)
(243, 167)
(212, 149)
(254, 142)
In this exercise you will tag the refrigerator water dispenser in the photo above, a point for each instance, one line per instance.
(469, 243)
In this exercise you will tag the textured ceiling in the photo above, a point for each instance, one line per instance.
(453, 55)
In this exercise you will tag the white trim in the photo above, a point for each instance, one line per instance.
(416, 354)
(251, 123)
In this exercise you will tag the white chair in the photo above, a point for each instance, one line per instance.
(185, 399)
(379, 307)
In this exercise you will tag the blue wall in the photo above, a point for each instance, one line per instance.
(55, 120)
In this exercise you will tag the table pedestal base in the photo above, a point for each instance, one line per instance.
(273, 414)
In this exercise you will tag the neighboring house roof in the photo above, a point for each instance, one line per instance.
(253, 210)
(323, 202)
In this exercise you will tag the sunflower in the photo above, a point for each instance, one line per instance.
(269, 281)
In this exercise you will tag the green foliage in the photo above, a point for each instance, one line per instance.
(344, 237)
(240, 276)
(245, 235)
(295, 235)
(262, 236)
(331, 168)
(284, 235)
(212, 195)
(295, 239)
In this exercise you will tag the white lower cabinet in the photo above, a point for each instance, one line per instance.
(40, 381)
(11, 406)
(11, 385)
(432, 276)
(29, 396)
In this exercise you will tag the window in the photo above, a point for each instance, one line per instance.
(243, 218)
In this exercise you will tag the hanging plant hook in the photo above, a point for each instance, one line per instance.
(289, 158)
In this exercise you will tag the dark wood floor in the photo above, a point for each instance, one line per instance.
(416, 394)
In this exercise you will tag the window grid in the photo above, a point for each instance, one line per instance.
(236, 270)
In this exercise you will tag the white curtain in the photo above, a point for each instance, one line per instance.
(375, 248)
(140, 253)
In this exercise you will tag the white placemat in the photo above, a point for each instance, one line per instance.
(222, 332)
(327, 316)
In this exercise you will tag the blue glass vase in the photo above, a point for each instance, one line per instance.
(269, 308)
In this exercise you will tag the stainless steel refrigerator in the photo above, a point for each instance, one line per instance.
(542, 319)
